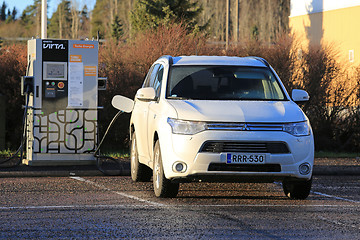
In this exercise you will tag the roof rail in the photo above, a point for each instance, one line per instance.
(260, 59)
(168, 57)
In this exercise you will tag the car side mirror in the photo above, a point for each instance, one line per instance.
(146, 94)
(298, 95)
(123, 103)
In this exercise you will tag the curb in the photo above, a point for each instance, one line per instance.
(336, 170)
(62, 171)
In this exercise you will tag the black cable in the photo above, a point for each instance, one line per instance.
(108, 159)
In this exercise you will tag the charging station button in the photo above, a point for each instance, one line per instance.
(61, 85)
(50, 92)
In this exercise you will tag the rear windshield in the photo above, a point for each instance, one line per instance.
(223, 83)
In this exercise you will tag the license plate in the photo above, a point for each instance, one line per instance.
(238, 158)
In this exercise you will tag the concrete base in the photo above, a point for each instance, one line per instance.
(56, 159)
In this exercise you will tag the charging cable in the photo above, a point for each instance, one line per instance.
(103, 161)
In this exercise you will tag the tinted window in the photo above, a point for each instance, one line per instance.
(223, 83)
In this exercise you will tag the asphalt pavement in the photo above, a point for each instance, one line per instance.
(322, 166)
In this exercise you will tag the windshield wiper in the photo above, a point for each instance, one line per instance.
(178, 98)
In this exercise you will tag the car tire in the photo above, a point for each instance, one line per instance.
(297, 189)
(163, 187)
(139, 171)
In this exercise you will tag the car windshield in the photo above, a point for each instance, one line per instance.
(223, 83)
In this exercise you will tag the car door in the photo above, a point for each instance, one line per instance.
(154, 109)
(140, 118)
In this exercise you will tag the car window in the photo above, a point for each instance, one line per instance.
(223, 83)
(158, 79)
(146, 81)
(153, 75)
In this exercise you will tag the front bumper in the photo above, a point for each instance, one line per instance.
(200, 165)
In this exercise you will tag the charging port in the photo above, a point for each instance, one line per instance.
(102, 83)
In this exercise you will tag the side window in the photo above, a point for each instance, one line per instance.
(146, 82)
(158, 80)
(153, 75)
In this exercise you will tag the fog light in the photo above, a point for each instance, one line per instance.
(179, 167)
(304, 168)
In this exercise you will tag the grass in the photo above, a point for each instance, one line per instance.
(7, 152)
(116, 154)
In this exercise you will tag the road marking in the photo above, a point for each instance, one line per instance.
(327, 195)
(119, 193)
(146, 206)
(335, 197)
(75, 207)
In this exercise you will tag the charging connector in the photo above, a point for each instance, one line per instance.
(27, 85)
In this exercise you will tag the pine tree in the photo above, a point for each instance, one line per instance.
(152, 13)
(84, 23)
(14, 13)
(117, 28)
(3, 11)
(60, 22)
(100, 18)
(30, 18)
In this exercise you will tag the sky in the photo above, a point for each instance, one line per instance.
(20, 5)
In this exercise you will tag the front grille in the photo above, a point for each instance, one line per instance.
(251, 147)
(245, 126)
(223, 167)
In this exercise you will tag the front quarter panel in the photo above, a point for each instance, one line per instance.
(159, 112)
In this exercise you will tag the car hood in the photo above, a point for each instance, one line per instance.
(238, 111)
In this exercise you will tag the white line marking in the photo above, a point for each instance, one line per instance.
(145, 206)
(74, 207)
(119, 193)
(335, 197)
(327, 195)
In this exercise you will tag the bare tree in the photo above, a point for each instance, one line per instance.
(61, 15)
(75, 19)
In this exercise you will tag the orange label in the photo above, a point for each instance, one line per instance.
(90, 71)
(83, 45)
(75, 58)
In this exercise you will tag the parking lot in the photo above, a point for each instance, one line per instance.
(115, 207)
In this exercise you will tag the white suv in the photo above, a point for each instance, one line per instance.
(219, 119)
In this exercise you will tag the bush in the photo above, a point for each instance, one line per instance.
(12, 67)
(334, 89)
(331, 87)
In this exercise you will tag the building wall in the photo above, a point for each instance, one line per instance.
(337, 26)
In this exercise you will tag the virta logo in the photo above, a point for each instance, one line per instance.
(53, 45)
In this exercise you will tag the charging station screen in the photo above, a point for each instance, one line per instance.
(55, 71)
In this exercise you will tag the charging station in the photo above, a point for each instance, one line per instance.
(62, 83)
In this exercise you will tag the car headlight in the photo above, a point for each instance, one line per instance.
(186, 127)
(298, 129)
